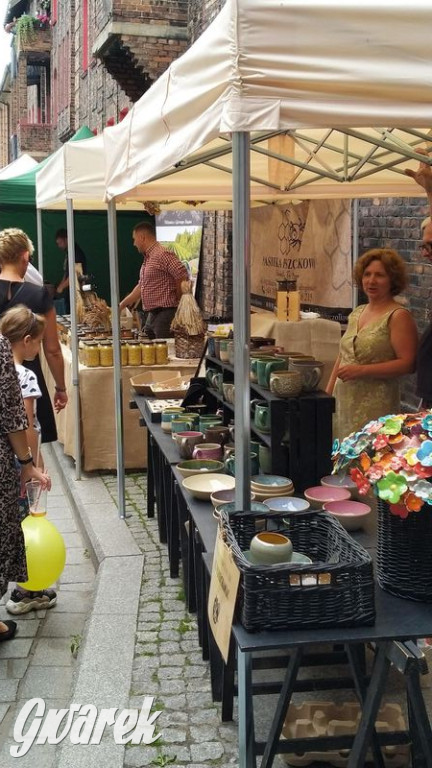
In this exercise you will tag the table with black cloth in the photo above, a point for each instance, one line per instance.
(192, 528)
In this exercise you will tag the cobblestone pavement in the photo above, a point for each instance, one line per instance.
(168, 663)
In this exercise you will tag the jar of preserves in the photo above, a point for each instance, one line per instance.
(91, 357)
(148, 353)
(106, 353)
(124, 353)
(161, 352)
(134, 353)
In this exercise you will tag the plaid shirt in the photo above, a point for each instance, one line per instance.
(160, 274)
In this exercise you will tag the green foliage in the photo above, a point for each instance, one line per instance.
(25, 29)
(186, 246)
(75, 644)
(163, 760)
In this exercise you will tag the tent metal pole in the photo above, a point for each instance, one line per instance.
(355, 247)
(118, 384)
(241, 291)
(74, 336)
(39, 240)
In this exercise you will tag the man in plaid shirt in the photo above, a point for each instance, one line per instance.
(159, 283)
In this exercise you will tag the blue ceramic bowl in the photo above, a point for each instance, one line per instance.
(257, 507)
(287, 504)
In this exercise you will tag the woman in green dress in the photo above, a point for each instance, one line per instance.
(378, 347)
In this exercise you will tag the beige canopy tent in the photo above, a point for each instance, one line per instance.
(349, 85)
(278, 98)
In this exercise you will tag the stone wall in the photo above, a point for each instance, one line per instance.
(396, 223)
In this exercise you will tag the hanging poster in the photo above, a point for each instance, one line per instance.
(181, 232)
(309, 242)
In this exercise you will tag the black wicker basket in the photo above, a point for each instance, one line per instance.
(337, 589)
(404, 553)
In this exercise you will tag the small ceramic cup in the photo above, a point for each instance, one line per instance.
(261, 415)
(209, 420)
(230, 464)
(181, 424)
(286, 383)
(208, 451)
(269, 548)
(311, 372)
(167, 416)
(217, 434)
(186, 442)
(265, 459)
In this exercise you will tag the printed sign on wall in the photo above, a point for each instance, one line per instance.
(309, 242)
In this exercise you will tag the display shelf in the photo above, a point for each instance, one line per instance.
(300, 436)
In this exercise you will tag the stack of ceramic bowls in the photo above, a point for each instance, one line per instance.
(266, 486)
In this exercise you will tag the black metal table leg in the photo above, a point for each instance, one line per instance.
(419, 723)
(150, 475)
(356, 659)
(282, 707)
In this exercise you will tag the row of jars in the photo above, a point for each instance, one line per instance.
(94, 353)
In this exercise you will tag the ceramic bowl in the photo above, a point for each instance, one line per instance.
(225, 496)
(271, 482)
(296, 558)
(199, 466)
(257, 507)
(338, 481)
(286, 504)
(351, 514)
(270, 547)
(264, 495)
(203, 485)
(320, 494)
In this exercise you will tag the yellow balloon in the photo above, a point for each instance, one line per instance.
(45, 552)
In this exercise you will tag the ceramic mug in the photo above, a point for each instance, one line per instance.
(294, 358)
(230, 464)
(167, 415)
(186, 442)
(261, 415)
(227, 389)
(311, 372)
(211, 346)
(217, 381)
(270, 547)
(286, 383)
(207, 451)
(253, 365)
(265, 368)
(231, 352)
(210, 372)
(223, 350)
(181, 424)
(209, 420)
(265, 459)
(229, 448)
(219, 434)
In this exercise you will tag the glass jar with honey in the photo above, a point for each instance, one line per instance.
(148, 353)
(106, 353)
(124, 353)
(91, 357)
(134, 353)
(161, 352)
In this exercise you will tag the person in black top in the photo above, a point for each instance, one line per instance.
(62, 289)
(15, 251)
(423, 177)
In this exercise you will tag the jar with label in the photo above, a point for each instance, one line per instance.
(134, 353)
(124, 353)
(148, 353)
(106, 353)
(91, 356)
(161, 353)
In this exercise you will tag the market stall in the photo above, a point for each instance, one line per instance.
(98, 427)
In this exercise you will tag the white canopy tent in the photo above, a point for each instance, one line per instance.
(277, 99)
(21, 165)
(73, 179)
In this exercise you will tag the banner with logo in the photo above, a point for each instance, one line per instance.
(309, 242)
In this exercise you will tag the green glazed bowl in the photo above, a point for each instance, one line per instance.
(199, 467)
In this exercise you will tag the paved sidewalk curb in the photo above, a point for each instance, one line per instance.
(107, 654)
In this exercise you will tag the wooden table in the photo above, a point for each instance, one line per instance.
(98, 430)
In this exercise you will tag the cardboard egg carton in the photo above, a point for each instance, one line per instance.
(324, 718)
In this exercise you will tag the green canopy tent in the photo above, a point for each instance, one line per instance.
(18, 209)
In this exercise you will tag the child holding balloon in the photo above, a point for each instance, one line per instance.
(25, 331)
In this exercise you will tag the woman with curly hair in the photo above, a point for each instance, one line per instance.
(378, 347)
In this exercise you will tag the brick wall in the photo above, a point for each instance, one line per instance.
(215, 292)
(201, 14)
(4, 135)
(395, 223)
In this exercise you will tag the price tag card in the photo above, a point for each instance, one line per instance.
(224, 584)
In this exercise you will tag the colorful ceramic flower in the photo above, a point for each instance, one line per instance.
(422, 489)
(381, 441)
(392, 425)
(376, 472)
(426, 423)
(424, 453)
(391, 487)
(399, 510)
(412, 502)
(410, 457)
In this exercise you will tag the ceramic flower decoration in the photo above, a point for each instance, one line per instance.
(394, 456)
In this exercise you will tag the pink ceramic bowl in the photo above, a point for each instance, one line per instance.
(320, 494)
(351, 514)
